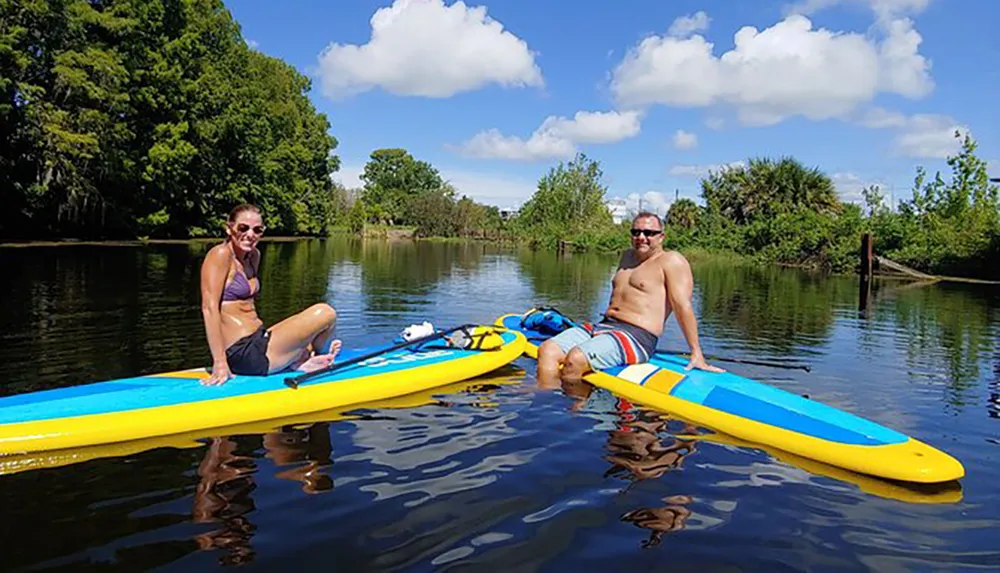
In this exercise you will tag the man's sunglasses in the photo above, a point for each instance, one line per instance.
(243, 228)
(647, 232)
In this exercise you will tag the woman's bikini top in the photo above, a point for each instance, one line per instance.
(239, 288)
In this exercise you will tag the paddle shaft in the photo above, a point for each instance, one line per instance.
(294, 381)
(707, 357)
(744, 361)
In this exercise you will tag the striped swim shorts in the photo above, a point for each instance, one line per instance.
(609, 343)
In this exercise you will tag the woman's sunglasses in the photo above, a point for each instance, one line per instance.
(647, 232)
(257, 230)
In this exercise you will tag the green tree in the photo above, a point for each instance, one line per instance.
(392, 178)
(151, 117)
(949, 226)
(434, 214)
(765, 187)
(568, 203)
(683, 213)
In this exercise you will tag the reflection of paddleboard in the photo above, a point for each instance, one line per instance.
(11, 464)
(758, 413)
(177, 402)
(946, 492)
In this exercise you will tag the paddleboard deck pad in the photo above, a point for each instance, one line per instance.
(176, 402)
(755, 412)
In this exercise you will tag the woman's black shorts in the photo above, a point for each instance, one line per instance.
(248, 355)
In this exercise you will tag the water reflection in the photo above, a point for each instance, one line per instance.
(399, 276)
(224, 497)
(227, 481)
(639, 450)
(573, 282)
(661, 520)
(504, 476)
(767, 309)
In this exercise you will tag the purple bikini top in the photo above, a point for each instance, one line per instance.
(239, 288)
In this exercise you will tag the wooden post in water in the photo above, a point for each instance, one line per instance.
(866, 272)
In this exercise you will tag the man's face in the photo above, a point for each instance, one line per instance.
(647, 235)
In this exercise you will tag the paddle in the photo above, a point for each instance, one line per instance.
(294, 381)
(806, 367)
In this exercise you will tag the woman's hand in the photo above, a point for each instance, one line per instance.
(220, 373)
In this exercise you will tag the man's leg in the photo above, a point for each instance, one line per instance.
(598, 353)
(552, 353)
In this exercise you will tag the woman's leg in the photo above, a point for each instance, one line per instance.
(292, 338)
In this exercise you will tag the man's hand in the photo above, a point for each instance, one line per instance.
(698, 361)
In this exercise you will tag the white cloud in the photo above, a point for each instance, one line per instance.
(921, 136)
(500, 190)
(504, 191)
(849, 186)
(786, 70)
(654, 201)
(492, 144)
(701, 170)
(424, 48)
(556, 138)
(902, 69)
(930, 137)
(878, 118)
(684, 140)
(715, 123)
(687, 25)
(884, 8)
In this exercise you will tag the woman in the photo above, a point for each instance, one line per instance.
(236, 336)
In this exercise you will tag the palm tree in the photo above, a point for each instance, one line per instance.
(765, 187)
(683, 213)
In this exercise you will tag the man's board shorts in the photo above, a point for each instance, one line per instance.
(609, 343)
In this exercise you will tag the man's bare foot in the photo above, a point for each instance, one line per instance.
(321, 360)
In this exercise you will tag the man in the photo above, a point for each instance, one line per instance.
(648, 285)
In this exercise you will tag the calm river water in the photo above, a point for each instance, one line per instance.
(498, 475)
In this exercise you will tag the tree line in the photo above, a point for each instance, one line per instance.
(781, 211)
(151, 118)
(767, 210)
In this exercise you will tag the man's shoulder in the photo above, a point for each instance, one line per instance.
(673, 260)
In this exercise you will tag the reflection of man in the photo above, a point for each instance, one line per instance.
(661, 520)
(649, 284)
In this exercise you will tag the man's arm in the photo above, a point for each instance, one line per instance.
(680, 292)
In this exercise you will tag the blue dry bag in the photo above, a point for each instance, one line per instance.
(547, 322)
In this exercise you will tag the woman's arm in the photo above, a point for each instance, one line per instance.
(213, 278)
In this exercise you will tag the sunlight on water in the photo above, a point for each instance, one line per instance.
(496, 474)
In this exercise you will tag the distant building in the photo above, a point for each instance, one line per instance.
(618, 208)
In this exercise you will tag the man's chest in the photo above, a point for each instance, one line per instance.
(645, 277)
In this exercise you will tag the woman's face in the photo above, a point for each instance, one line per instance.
(246, 230)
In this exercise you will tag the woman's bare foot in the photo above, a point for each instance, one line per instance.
(321, 360)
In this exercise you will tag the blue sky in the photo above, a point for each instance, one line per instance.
(495, 93)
